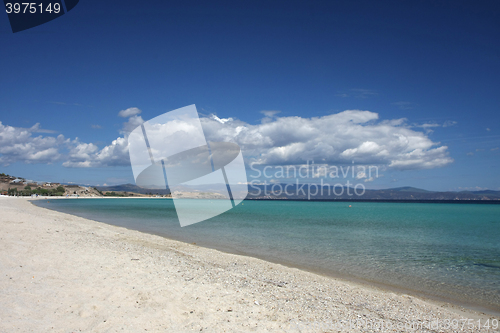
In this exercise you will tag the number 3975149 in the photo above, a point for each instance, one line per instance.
(31, 7)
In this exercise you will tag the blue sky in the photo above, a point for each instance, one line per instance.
(436, 64)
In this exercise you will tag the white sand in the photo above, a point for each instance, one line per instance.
(62, 273)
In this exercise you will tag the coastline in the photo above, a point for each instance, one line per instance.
(72, 273)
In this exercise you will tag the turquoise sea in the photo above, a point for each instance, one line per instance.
(439, 250)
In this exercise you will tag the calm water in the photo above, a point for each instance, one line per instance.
(449, 251)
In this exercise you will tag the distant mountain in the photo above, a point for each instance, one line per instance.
(301, 192)
(132, 188)
(409, 189)
(272, 191)
(487, 193)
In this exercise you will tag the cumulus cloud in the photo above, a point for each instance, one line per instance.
(19, 145)
(351, 135)
(131, 124)
(342, 138)
(129, 112)
(80, 155)
(88, 155)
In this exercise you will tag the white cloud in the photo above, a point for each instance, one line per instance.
(80, 155)
(335, 139)
(270, 113)
(422, 159)
(87, 155)
(351, 135)
(37, 128)
(221, 120)
(488, 129)
(18, 145)
(428, 126)
(129, 112)
(131, 124)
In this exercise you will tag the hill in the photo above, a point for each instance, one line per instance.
(343, 193)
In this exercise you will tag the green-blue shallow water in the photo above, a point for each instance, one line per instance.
(449, 251)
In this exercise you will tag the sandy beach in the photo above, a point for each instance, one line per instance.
(62, 273)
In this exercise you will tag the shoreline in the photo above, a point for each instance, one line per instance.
(255, 293)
